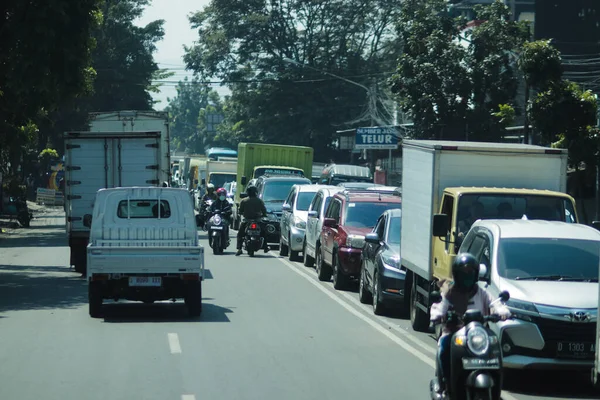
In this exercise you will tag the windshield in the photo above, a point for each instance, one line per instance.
(278, 171)
(365, 214)
(498, 206)
(221, 179)
(278, 191)
(525, 258)
(394, 231)
(337, 179)
(304, 200)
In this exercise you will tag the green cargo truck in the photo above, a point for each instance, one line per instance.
(257, 159)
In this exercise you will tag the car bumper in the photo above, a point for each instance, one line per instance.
(533, 345)
(296, 239)
(350, 260)
(392, 285)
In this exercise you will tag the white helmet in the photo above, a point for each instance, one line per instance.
(210, 187)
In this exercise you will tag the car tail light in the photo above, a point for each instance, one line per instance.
(190, 277)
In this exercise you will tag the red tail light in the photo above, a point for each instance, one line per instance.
(253, 226)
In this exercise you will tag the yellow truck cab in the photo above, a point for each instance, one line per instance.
(446, 186)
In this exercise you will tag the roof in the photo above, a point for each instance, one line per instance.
(519, 228)
(310, 187)
(369, 195)
(482, 146)
(347, 169)
(495, 190)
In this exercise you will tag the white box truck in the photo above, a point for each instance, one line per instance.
(448, 185)
(220, 172)
(121, 148)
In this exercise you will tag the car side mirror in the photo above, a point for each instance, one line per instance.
(330, 223)
(372, 238)
(198, 220)
(243, 195)
(286, 207)
(596, 224)
(440, 225)
(483, 272)
(87, 220)
(504, 296)
(435, 297)
(313, 214)
(244, 181)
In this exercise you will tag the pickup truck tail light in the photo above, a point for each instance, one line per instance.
(190, 277)
(99, 277)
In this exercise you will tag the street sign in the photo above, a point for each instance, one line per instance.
(376, 138)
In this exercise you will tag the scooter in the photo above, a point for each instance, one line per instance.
(17, 209)
(475, 358)
(218, 232)
(253, 240)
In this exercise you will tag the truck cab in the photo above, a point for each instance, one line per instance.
(461, 206)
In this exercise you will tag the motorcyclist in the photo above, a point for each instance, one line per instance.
(224, 206)
(252, 207)
(459, 296)
(210, 195)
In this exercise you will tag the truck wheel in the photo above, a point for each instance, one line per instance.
(418, 318)
(95, 299)
(323, 270)
(193, 299)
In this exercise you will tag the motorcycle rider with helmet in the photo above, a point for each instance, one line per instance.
(460, 295)
(210, 193)
(252, 207)
(222, 204)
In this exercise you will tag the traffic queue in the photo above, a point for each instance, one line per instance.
(511, 218)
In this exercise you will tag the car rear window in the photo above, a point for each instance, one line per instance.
(364, 214)
(141, 208)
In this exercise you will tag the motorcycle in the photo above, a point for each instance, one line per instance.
(17, 209)
(475, 358)
(218, 232)
(205, 213)
(253, 240)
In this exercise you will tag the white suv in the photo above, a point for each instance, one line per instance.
(314, 224)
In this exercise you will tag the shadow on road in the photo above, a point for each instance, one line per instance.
(25, 288)
(163, 312)
(36, 239)
(553, 384)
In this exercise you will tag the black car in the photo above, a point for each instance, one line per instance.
(382, 276)
(273, 190)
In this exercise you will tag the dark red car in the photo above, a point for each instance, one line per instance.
(351, 214)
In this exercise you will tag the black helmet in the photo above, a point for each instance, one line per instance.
(252, 191)
(465, 271)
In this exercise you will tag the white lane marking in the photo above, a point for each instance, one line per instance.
(406, 346)
(174, 343)
(188, 397)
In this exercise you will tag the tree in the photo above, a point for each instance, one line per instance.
(432, 79)
(260, 48)
(453, 82)
(123, 60)
(45, 56)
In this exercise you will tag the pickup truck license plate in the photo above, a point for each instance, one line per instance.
(583, 350)
(145, 281)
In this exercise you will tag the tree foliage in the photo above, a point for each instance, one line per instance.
(453, 81)
(259, 48)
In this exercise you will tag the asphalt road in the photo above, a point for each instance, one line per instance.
(269, 330)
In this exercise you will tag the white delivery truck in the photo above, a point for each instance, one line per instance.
(121, 148)
(447, 185)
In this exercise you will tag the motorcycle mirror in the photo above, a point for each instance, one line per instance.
(504, 296)
(435, 297)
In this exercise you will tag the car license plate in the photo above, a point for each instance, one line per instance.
(145, 281)
(217, 228)
(477, 363)
(575, 350)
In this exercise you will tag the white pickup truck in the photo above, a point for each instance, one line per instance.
(144, 247)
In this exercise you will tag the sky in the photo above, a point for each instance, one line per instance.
(169, 54)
